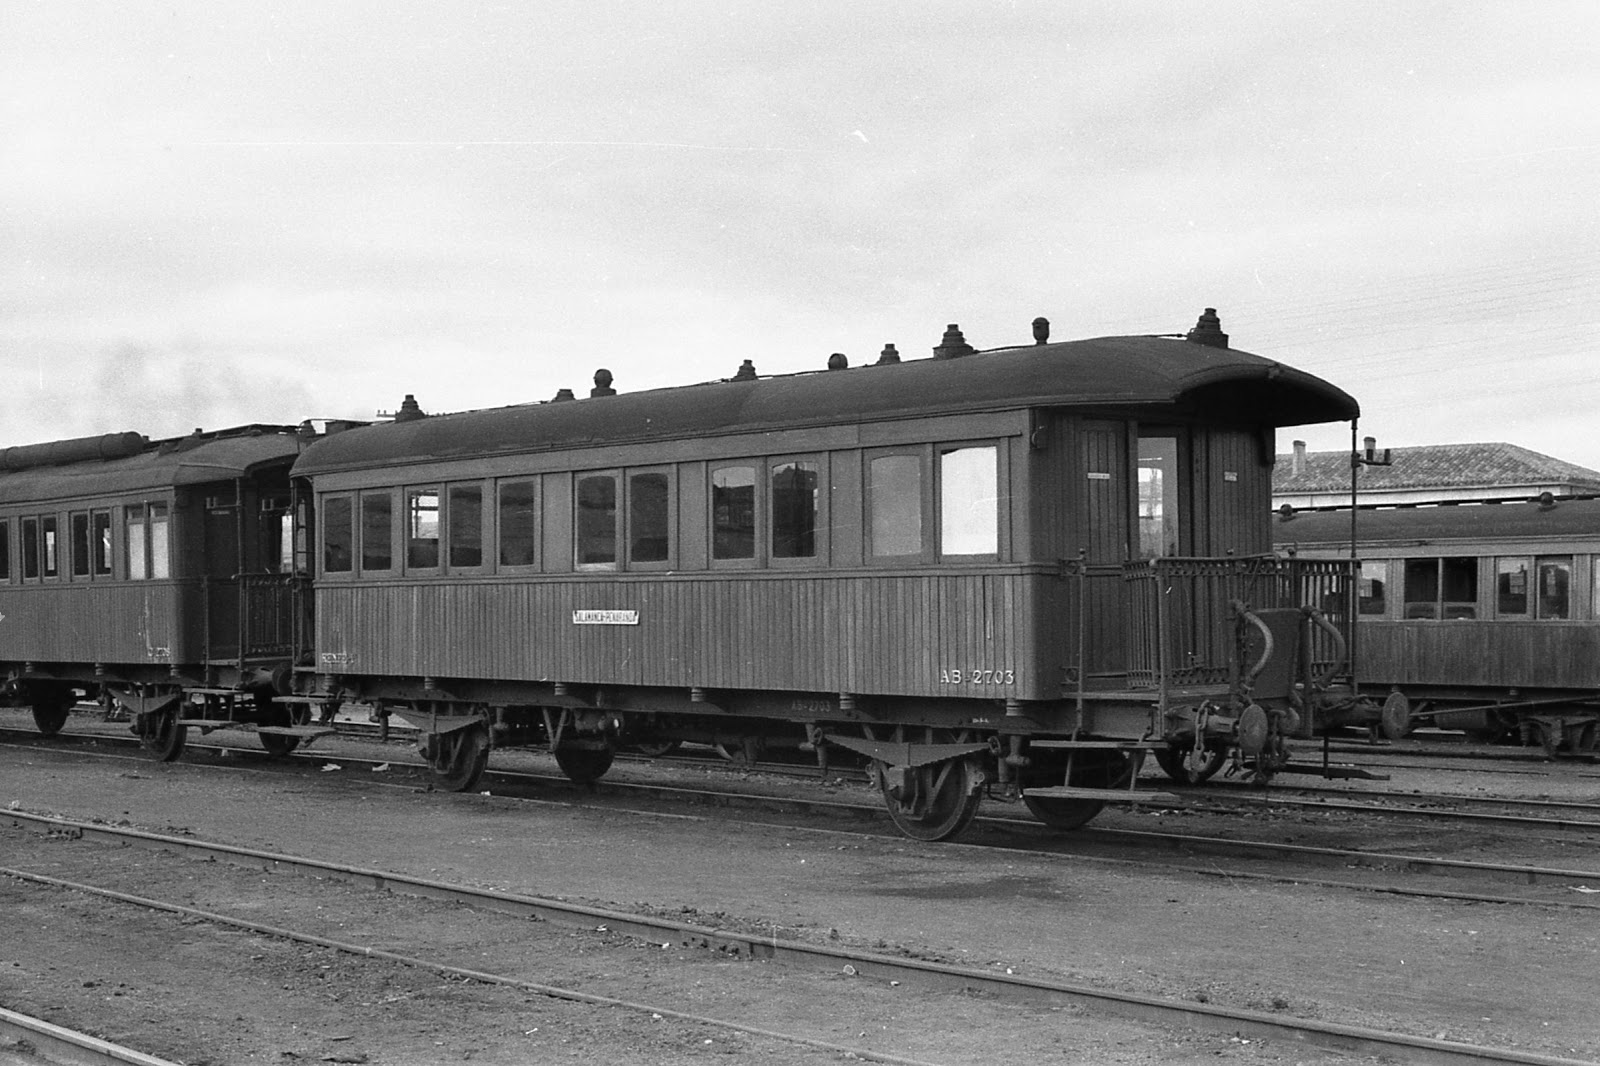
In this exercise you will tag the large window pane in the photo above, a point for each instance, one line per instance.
(1458, 587)
(519, 523)
(422, 528)
(969, 501)
(896, 505)
(795, 506)
(466, 525)
(733, 512)
(138, 566)
(1372, 596)
(1158, 496)
(80, 545)
(597, 520)
(50, 546)
(648, 519)
(1555, 586)
(377, 531)
(1511, 587)
(338, 537)
(5, 549)
(102, 543)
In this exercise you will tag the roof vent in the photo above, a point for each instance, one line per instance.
(888, 355)
(409, 410)
(602, 384)
(1041, 330)
(747, 371)
(562, 395)
(954, 345)
(1208, 330)
(837, 361)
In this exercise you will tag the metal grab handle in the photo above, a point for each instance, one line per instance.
(1267, 641)
(1339, 643)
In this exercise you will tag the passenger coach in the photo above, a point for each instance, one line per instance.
(1481, 617)
(155, 574)
(1012, 571)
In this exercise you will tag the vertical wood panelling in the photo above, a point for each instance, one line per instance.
(884, 633)
(112, 622)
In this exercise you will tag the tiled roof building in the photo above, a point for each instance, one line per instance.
(1427, 474)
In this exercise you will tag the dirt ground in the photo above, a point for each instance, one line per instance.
(1504, 976)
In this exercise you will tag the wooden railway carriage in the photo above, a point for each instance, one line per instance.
(151, 574)
(1481, 617)
(1009, 568)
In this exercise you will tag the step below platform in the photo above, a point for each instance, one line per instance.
(1103, 795)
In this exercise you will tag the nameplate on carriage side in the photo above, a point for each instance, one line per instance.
(605, 618)
(1099, 475)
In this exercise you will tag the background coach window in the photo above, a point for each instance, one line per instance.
(466, 525)
(597, 522)
(377, 531)
(795, 508)
(422, 529)
(519, 523)
(649, 518)
(337, 536)
(733, 512)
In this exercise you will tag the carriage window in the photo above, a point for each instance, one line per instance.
(422, 528)
(896, 505)
(101, 521)
(1371, 598)
(80, 545)
(5, 549)
(969, 501)
(466, 525)
(338, 537)
(1555, 586)
(649, 520)
(49, 547)
(733, 512)
(137, 568)
(1511, 587)
(1158, 496)
(1441, 588)
(519, 529)
(796, 501)
(377, 531)
(597, 521)
(160, 559)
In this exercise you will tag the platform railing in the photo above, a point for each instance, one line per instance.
(1181, 623)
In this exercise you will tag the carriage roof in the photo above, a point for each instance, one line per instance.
(1175, 377)
(125, 462)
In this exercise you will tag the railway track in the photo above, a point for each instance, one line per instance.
(1009, 987)
(1365, 869)
(28, 1041)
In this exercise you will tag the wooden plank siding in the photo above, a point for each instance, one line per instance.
(100, 622)
(884, 633)
(1467, 653)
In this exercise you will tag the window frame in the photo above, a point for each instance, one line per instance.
(447, 530)
(1439, 603)
(925, 555)
(325, 526)
(536, 510)
(758, 473)
(1002, 510)
(407, 494)
(7, 571)
(618, 528)
(359, 520)
(820, 539)
(629, 520)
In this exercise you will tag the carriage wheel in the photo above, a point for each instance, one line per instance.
(458, 758)
(275, 714)
(163, 737)
(935, 802)
(1395, 719)
(50, 713)
(655, 749)
(584, 765)
(278, 744)
(1112, 769)
(1180, 764)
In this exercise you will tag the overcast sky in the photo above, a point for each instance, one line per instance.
(216, 214)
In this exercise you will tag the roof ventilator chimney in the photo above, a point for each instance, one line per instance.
(602, 383)
(409, 411)
(837, 361)
(562, 395)
(954, 345)
(1299, 466)
(1041, 330)
(747, 371)
(1208, 330)
(888, 355)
